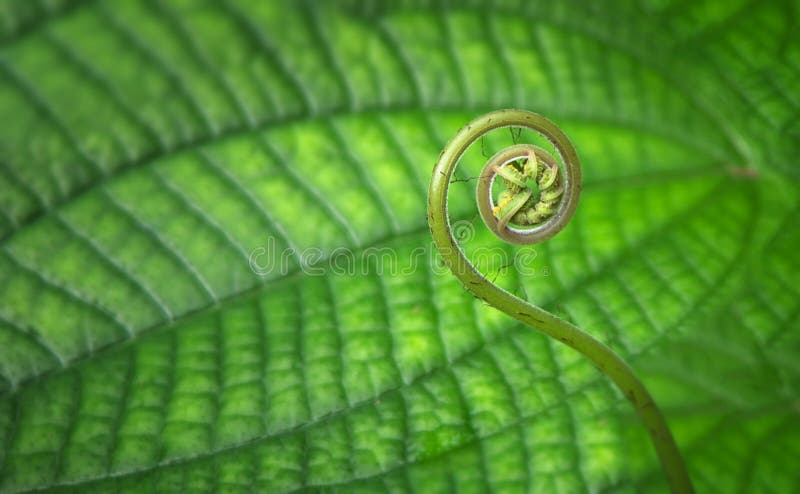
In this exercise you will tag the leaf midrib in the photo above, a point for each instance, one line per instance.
(255, 291)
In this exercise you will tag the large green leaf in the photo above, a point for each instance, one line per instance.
(148, 149)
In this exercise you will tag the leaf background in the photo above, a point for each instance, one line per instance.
(147, 148)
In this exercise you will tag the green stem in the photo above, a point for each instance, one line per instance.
(599, 354)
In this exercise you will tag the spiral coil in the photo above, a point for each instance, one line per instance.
(539, 200)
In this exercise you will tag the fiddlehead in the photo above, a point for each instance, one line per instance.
(540, 199)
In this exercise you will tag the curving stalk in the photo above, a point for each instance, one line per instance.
(539, 200)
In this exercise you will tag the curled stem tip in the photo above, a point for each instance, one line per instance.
(539, 199)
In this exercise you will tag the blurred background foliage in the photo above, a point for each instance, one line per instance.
(148, 148)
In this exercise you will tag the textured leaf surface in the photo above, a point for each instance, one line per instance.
(148, 148)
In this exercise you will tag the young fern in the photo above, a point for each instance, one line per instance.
(539, 200)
